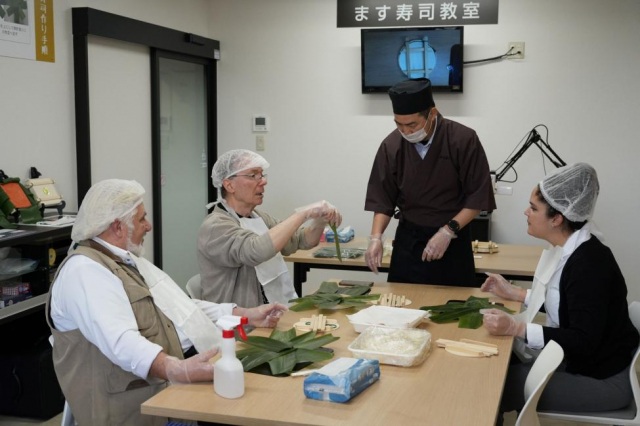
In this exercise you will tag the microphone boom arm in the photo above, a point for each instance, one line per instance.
(533, 139)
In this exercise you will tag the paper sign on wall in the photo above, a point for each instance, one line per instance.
(27, 29)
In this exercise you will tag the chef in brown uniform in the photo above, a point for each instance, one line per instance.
(432, 174)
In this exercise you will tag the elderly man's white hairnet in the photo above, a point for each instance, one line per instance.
(572, 190)
(105, 202)
(234, 161)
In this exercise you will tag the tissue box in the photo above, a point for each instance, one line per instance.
(345, 235)
(342, 379)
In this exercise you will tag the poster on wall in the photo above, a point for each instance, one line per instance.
(416, 13)
(26, 29)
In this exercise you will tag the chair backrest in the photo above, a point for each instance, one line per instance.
(634, 314)
(193, 287)
(541, 371)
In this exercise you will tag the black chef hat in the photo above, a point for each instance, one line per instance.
(411, 96)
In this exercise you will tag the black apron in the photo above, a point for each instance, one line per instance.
(456, 268)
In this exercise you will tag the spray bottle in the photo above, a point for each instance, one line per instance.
(228, 373)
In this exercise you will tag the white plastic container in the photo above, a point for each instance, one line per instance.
(228, 373)
(386, 316)
(404, 347)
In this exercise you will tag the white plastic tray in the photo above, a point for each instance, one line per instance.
(386, 316)
(403, 347)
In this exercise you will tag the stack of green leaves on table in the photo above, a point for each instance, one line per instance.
(331, 296)
(466, 312)
(282, 351)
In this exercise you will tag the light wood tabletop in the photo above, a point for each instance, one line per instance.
(445, 389)
(513, 261)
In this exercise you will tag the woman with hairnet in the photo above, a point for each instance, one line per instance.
(585, 298)
(240, 248)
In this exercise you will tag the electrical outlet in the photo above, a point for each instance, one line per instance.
(260, 143)
(516, 50)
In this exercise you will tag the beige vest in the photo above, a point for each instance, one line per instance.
(98, 391)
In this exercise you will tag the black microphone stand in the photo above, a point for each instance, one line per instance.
(532, 139)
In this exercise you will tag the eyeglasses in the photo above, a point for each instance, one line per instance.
(254, 176)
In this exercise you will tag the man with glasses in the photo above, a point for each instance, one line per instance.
(240, 248)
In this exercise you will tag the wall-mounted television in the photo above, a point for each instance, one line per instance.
(391, 55)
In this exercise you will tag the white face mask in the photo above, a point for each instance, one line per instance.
(416, 137)
(419, 135)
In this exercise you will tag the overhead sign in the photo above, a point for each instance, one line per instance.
(415, 13)
(26, 30)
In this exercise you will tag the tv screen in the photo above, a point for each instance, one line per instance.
(391, 55)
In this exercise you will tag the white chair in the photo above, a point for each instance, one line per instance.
(193, 287)
(543, 368)
(626, 416)
(67, 416)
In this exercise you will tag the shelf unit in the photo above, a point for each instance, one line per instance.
(29, 387)
(37, 243)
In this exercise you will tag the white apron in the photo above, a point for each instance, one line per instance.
(547, 266)
(178, 307)
(272, 274)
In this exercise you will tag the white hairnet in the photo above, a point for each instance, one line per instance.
(105, 202)
(572, 190)
(235, 161)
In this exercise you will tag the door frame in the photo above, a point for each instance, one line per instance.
(156, 160)
(161, 41)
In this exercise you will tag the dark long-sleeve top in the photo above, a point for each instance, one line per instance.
(595, 331)
(453, 175)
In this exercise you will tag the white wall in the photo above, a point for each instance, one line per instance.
(287, 59)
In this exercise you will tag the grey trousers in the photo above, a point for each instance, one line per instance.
(568, 392)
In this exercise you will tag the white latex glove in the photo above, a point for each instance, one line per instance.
(438, 244)
(190, 370)
(373, 255)
(500, 323)
(499, 286)
(263, 315)
(322, 212)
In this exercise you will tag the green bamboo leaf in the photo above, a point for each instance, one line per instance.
(328, 287)
(249, 350)
(302, 306)
(307, 355)
(267, 343)
(283, 364)
(319, 341)
(337, 241)
(472, 320)
(305, 337)
(356, 290)
(283, 336)
(252, 361)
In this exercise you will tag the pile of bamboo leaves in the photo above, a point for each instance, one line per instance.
(331, 296)
(466, 312)
(283, 350)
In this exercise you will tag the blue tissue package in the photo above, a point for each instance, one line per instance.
(345, 235)
(342, 379)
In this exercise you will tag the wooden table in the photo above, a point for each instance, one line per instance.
(515, 262)
(444, 390)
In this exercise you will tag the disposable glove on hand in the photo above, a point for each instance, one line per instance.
(190, 370)
(263, 315)
(438, 244)
(373, 255)
(500, 323)
(498, 285)
(322, 212)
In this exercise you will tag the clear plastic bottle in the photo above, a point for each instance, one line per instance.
(228, 373)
